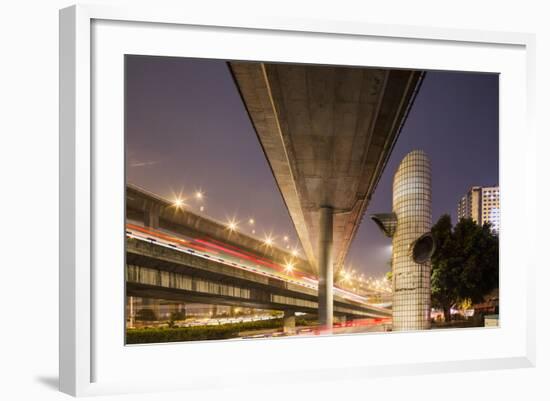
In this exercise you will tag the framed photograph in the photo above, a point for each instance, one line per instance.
(290, 199)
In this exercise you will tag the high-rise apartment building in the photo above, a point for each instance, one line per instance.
(482, 205)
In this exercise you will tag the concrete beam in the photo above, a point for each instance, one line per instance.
(151, 217)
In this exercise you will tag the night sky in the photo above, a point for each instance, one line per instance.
(187, 130)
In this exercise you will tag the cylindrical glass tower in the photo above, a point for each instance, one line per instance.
(412, 243)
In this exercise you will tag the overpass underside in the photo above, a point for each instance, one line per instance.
(327, 133)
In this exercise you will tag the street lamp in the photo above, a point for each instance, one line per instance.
(268, 240)
(289, 267)
(232, 225)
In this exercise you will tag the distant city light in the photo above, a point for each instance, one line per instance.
(253, 231)
(251, 221)
(285, 238)
(201, 208)
(179, 203)
(294, 252)
(199, 194)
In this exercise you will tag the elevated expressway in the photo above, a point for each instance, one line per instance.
(327, 133)
(178, 255)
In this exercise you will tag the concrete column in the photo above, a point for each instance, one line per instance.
(289, 322)
(325, 266)
(131, 312)
(151, 217)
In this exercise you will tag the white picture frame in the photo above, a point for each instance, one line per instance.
(91, 40)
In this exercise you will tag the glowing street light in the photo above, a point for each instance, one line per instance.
(294, 252)
(289, 267)
(268, 240)
(232, 224)
(179, 199)
(345, 275)
(285, 238)
(199, 194)
(251, 221)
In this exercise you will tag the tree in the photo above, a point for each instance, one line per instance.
(178, 315)
(465, 263)
(444, 266)
(389, 276)
(174, 316)
(146, 314)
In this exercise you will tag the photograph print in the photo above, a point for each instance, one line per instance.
(269, 200)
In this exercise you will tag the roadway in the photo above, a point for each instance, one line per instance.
(230, 255)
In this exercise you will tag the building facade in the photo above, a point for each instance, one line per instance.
(482, 205)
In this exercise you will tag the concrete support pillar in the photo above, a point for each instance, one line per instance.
(151, 217)
(325, 267)
(131, 312)
(289, 322)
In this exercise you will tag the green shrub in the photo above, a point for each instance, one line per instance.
(197, 333)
